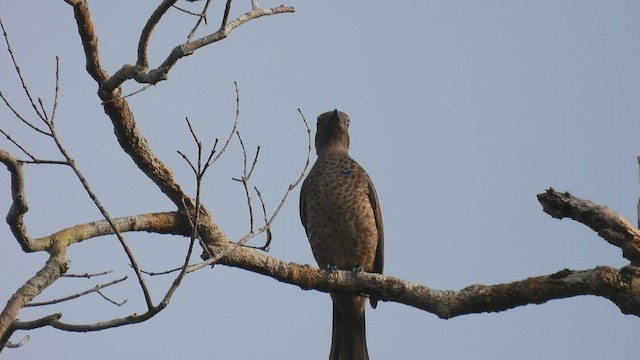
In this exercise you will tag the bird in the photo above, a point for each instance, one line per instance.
(340, 213)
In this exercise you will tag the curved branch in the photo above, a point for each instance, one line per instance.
(89, 39)
(620, 286)
(143, 75)
(55, 266)
(154, 19)
(171, 223)
(54, 321)
(19, 205)
(609, 225)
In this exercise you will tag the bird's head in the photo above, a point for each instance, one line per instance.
(332, 133)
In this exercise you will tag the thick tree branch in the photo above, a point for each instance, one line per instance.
(154, 19)
(620, 286)
(128, 134)
(171, 223)
(89, 39)
(52, 270)
(19, 205)
(609, 225)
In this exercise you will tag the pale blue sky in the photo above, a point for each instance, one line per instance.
(462, 111)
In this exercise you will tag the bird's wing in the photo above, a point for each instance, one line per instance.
(378, 265)
(303, 210)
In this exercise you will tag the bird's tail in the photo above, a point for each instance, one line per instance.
(349, 340)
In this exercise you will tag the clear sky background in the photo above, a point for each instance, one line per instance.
(462, 111)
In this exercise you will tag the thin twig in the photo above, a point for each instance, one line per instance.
(143, 74)
(96, 288)
(158, 273)
(17, 114)
(56, 92)
(128, 95)
(233, 129)
(199, 172)
(185, 10)
(79, 175)
(245, 181)
(145, 35)
(44, 112)
(18, 344)
(267, 226)
(202, 16)
(45, 162)
(112, 301)
(17, 145)
(87, 275)
(105, 214)
(211, 153)
(299, 179)
(255, 160)
(17, 68)
(264, 247)
(225, 17)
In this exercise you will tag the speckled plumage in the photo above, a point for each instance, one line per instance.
(340, 212)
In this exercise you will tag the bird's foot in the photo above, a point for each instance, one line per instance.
(358, 271)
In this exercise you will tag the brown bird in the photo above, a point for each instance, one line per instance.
(341, 215)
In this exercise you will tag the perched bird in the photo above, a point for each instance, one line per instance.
(341, 215)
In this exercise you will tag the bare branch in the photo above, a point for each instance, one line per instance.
(112, 301)
(225, 17)
(267, 243)
(56, 92)
(44, 112)
(299, 179)
(245, 180)
(103, 211)
(19, 116)
(153, 76)
(87, 275)
(134, 92)
(186, 11)
(255, 160)
(186, 158)
(202, 17)
(45, 162)
(34, 324)
(19, 73)
(96, 288)
(89, 39)
(55, 266)
(19, 205)
(171, 223)
(154, 19)
(621, 286)
(233, 130)
(18, 344)
(609, 225)
(6, 135)
(53, 321)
